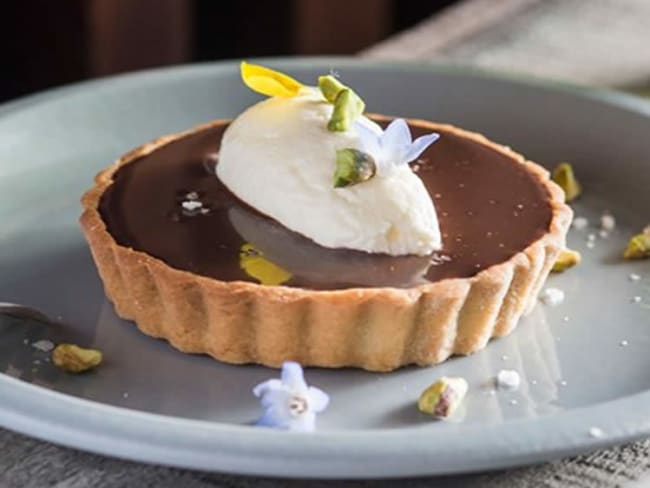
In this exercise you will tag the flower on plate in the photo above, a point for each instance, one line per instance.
(394, 146)
(289, 403)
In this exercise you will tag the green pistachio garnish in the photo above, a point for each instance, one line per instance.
(347, 107)
(352, 167)
(639, 246)
(75, 359)
(443, 397)
(347, 104)
(563, 175)
(330, 87)
(567, 259)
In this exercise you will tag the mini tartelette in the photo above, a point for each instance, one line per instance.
(299, 232)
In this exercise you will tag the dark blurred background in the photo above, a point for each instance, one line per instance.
(45, 43)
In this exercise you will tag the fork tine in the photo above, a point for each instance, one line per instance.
(23, 312)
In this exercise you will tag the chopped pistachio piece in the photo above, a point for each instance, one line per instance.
(353, 167)
(330, 87)
(639, 246)
(443, 397)
(563, 175)
(347, 107)
(567, 259)
(75, 359)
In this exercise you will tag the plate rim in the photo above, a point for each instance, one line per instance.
(628, 101)
(212, 446)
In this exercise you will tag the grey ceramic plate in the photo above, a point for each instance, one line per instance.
(151, 403)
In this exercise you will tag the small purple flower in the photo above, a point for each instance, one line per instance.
(394, 146)
(289, 402)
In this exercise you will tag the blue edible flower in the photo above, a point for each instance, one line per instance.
(289, 403)
(394, 146)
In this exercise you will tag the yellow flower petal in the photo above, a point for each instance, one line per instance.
(269, 82)
(257, 266)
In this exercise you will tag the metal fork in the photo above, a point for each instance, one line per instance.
(24, 312)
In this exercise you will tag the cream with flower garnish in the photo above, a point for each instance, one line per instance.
(308, 158)
(188, 261)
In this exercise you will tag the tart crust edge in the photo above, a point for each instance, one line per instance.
(377, 329)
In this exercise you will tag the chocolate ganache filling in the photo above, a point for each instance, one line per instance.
(489, 208)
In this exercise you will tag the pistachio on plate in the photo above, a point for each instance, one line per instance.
(565, 260)
(75, 359)
(639, 246)
(443, 397)
(353, 167)
(564, 176)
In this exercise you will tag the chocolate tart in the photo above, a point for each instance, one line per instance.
(178, 276)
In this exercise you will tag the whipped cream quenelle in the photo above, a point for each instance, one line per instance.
(279, 157)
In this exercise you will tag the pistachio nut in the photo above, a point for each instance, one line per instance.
(443, 397)
(564, 176)
(75, 359)
(566, 259)
(347, 107)
(353, 167)
(330, 87)
(639, 246)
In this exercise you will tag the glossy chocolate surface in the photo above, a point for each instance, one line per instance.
(489, 208)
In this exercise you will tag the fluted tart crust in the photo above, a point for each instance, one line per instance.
(377, 329)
